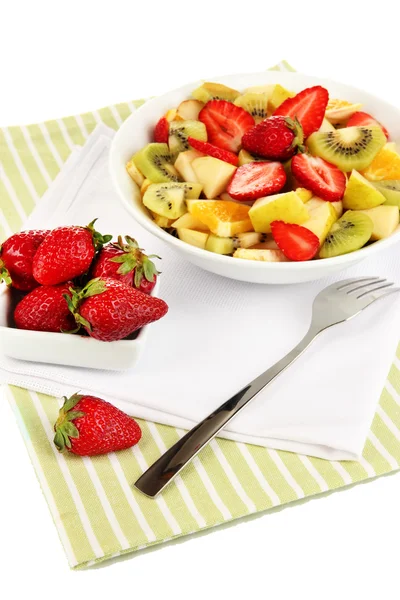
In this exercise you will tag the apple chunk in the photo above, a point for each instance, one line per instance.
(322, 217)
(385, 220)
(280, 207)
(213, 174)
(261, 255)
(360, 194)
(183, 164)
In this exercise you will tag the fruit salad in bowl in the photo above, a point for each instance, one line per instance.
(296, 175)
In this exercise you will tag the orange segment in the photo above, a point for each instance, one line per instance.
(222, 217)
(386, 165)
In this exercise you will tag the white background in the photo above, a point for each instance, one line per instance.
(60, 58)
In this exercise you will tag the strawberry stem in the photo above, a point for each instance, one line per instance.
(134, 259)
(92, 288)
(64, 428)
(4, 273)
(98, 239)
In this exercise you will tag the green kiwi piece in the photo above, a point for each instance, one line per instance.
(179, 131)
(227, 245)
(348, 148)
(255, 104)
(390, 189)
(351, 232)
(155, 162)
(167, 199)
(215, 91)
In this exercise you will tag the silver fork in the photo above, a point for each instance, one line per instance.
(335, 304)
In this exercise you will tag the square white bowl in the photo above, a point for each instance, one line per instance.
(71, 350)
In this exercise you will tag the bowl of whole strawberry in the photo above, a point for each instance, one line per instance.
(268, 178)
(72, 296)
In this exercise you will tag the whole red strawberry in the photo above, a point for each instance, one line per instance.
(276, 138)
(128, 263)
(45, 309)
(16, 257)
(87, 426)
(67, 252)
(109, 310)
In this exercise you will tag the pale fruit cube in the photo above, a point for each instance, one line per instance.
(360, 194)
(194, 238)
(183, 164)
(188, 221)
(262, 255)
(189, 109)
(385, 220)
(315, 201)
(161, 221)
(322, 217)
(134, 172)
(342, 112)
(145, 185)
(171, 115)
(326, 126)
(281, 207)
(269, 244)
(223, 218)
(213, 174)
(260, 89)
(304, 194)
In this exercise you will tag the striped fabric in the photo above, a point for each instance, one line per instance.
(96, 511)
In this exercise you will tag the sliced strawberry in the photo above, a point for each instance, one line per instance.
(320, 177)
(362, 119)
(308, 106)
(257, 179)
(225, 123)
(161, 131)
(296, 242)
(213, 151)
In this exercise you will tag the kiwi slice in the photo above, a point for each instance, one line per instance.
(215, 91)
(348, 148)
(179, 131)
(255, 104)
(169, 199)
(351, 232)
(155, 162)
(390, 189)
(227, 245)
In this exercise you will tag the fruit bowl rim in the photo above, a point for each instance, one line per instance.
(299, 81)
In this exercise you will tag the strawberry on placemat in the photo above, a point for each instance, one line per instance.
(320, 177)
(109, 310)
(87, 426)
(296, 242)
(225, 123)
(67, 252)
(308, 107)
(214, 151)
(257, 179)
(16, 258)
(127, 262)
(363, 119)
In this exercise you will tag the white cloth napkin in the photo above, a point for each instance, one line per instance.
(219, 334)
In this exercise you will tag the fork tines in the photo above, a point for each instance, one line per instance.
(367, 285)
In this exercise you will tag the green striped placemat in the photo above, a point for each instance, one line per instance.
(97, 513)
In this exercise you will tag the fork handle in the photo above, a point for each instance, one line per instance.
(177, 457)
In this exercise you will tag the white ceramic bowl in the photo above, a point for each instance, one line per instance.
(64, 349)
(137, 130)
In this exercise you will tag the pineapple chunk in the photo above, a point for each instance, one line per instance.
(188, 221)
(134, 172)
(385, 220)
(146, 183)
(194, 238)
(322, 217)
(281, 207)
(213, 174)
(262, 255)
(161, 221)
(183, 164)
